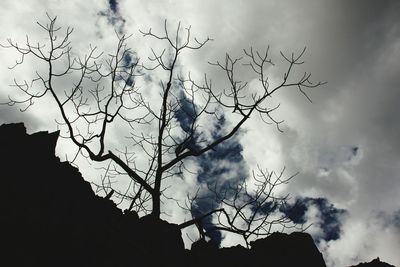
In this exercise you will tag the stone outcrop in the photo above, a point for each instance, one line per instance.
(374, 263)
(278, 249)
(51, 217)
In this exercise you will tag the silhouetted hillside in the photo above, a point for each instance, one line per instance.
(51, 217)
(374, 263)
(278, 249)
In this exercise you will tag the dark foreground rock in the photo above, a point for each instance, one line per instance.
(278, 249)
(49, 216)
(374, 263)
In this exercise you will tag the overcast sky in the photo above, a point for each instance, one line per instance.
(345, 145)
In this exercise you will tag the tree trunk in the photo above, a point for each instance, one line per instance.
(156, 196)
(156, 205)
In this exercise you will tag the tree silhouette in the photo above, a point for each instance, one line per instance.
(112, 90)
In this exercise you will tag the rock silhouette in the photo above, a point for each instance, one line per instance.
(278, 249)
(51, 217)
(374, 263)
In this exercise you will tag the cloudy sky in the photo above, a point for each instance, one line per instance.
(344, 144)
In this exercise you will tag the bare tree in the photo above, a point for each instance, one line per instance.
(104, 92)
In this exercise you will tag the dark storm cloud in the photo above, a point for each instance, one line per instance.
(117, 21)
(215, 166)
(114, 16)
(113, 5)
(329, 219)
(185, 115)
(216, 172)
